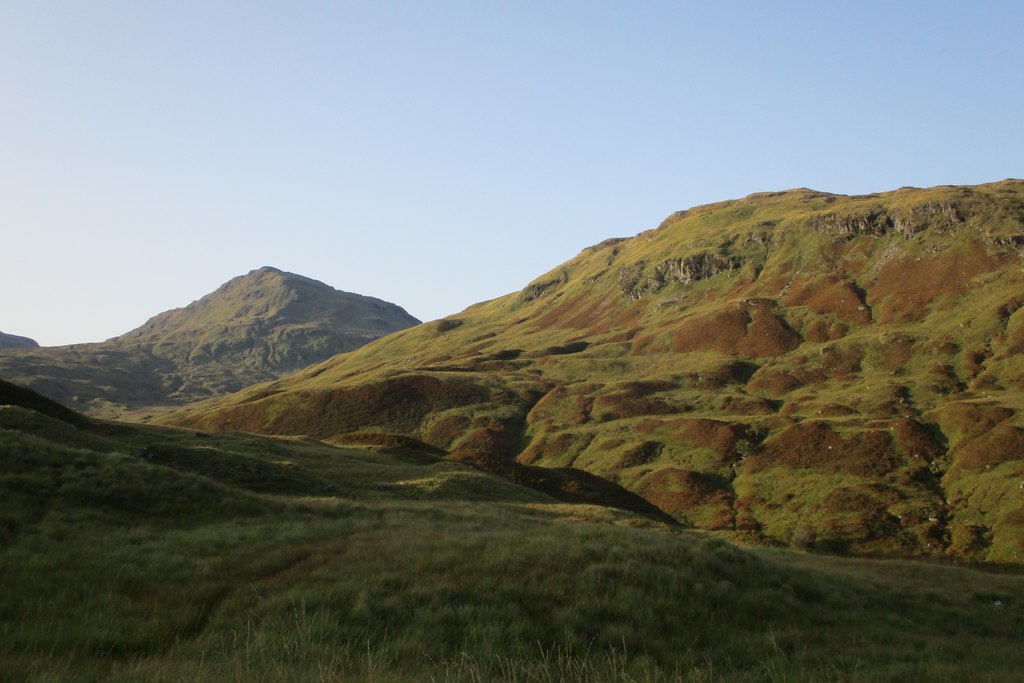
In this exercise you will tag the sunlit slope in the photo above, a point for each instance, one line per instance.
(152, 554)
(254, 328)
(826, 371)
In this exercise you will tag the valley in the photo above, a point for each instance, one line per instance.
(775, 438)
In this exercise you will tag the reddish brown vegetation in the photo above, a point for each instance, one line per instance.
(632, 399)
(860, 499)
(560, 447)
(815, 445)
(907, 286)
(830, 295)
(563, 405)
(678, 490)
(775, 382)
(821, 331)
(580, 312)
(749, 328)
(1003, 443)
(967, 420)
(642, 453)
(916, 440)
(443, 432)
(487, 442)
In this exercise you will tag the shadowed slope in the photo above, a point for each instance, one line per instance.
(13, 341)
(795, 367)
(142, 553)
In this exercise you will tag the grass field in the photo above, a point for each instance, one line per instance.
(139, 553)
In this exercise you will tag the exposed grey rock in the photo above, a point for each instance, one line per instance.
(635, 283)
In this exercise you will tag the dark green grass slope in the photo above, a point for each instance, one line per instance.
(152, 554)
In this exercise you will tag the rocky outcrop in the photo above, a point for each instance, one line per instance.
(694, 268)
(635, 282)
(539, 288)
(904, 222)
(872, 223)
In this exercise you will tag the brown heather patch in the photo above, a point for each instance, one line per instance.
(768, 334)
(872, 524)
(865, 498)
(721, 375)
(556, 448)
(973, 361)
(1012, 341)
(942, 378)
(642, 453)
(716, 435)
(961, 420)
(835, 410)
(678, 490)
(837, 361)
(916, 440)
(830, 295)
(817, 332)
(745, 405)
(486, 442)
(624, 336)
(774, 382)
(719, 436)
(719, 331)
(441, 432)
(651, 343)
(564, 405)
(748, 328)
(1002, 443)
(895, 351)
(578, 312)
(632, 399)
(814, 445)
(631, 315)
(906, 286)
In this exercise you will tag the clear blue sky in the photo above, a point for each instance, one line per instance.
(436, 154)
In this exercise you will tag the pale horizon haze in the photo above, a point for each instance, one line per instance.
(440, 154)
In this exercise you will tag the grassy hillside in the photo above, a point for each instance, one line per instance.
(829, 372)
(139, 553)
(257, 327)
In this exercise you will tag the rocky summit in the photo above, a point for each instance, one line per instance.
(256, 327)
(841, 373)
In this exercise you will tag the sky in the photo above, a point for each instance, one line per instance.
(437, 154)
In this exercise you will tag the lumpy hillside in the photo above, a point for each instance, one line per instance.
(836, 373)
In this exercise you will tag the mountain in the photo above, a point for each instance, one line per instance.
(841, 373)
(136, 552)
(13, 341)
(254, 328)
